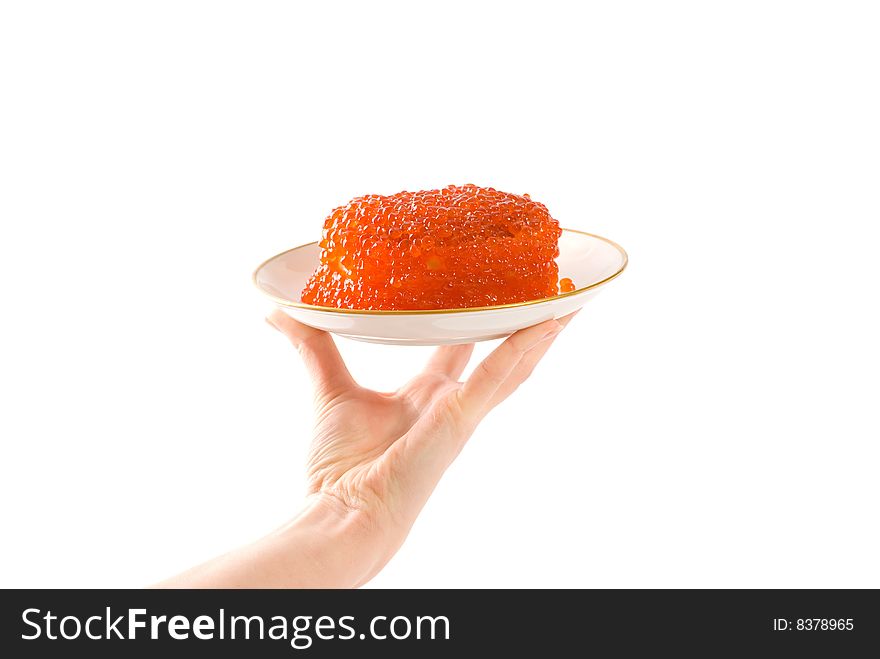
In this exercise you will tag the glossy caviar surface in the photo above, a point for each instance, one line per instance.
(462, 246)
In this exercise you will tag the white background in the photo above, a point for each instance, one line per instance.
(709, 420)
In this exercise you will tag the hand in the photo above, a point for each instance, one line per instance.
(380, 455)
(374, 460)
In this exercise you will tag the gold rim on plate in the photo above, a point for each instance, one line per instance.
(410, 312)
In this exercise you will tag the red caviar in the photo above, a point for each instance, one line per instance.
(462, 246)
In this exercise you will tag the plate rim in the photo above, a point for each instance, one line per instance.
(424, 312)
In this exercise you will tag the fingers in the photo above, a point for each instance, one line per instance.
(527, 364)
(425, 452)
(477, 393)
(319, 353)
(450, 360)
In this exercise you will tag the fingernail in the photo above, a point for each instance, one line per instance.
(271, 324)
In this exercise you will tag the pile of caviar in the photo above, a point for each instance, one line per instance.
(462, 246)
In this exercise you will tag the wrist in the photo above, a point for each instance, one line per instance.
(336, 543)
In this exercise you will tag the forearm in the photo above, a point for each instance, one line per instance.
(325, 546)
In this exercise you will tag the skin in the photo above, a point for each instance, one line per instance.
(374, 460)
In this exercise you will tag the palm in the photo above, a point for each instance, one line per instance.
(387, 451)
(355, 431)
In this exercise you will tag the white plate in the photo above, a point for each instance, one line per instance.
(589, 261)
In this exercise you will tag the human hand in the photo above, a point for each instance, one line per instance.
(378, 456)
(374, 460)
